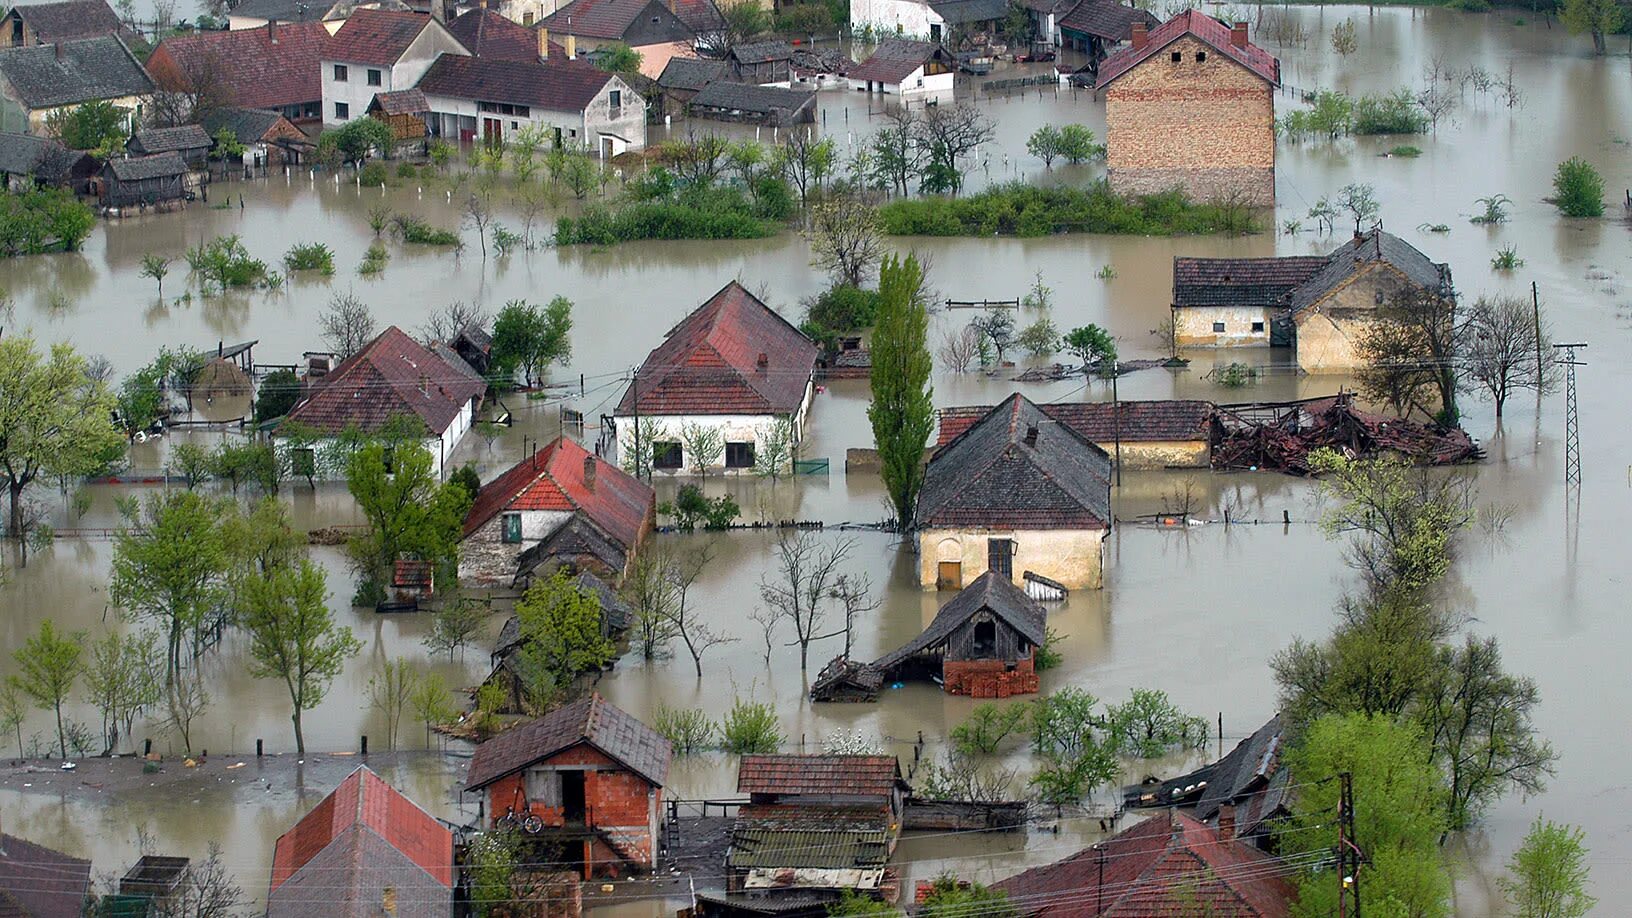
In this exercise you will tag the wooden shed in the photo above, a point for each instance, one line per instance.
(769, 105)
(190, 141)
(983, 643)
(404, 111)
(157, 181)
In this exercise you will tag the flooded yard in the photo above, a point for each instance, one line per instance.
(1196, 613)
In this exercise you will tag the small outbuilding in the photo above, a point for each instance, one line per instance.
(1246, 792)
(1235, 302)
(684, 77)
(270, 139)
(1094, 27)
(761, 62)
(189, 141)
(906, 68)
(28, 161)
(158, 181)
(982, 644)
(753, 104)
(1144, 434)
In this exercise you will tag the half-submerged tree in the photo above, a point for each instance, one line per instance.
(294, 637)
(902, 412)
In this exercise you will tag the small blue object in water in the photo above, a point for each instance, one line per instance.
(898, 685)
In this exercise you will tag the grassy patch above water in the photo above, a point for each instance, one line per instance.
(1019, 209)
(714, 212)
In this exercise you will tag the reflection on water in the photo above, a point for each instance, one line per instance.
(1195, 613)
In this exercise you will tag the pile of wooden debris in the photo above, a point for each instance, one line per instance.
(1280, 436)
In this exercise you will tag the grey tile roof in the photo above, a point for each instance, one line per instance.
(816, 838)
(41, 157)
(1107, 19)
(69, 19)
(286, 10)
(759, 52)
(747, 97)
(1362, 252)
(246, 124)
(163, 140)
(136, 168)
(991, 592)
(1240, 281)
(691, 73)
(87, 70)
(964, 12)
(1017, 468)
(593, 720)
(1252, 774)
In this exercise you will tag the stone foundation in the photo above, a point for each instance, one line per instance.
(1253, 186)
(989, 678)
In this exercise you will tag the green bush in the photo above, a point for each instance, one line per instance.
(309, 256)
(688, 730)
(373, 175)
(279, 392)
(1406, 151)
(839, 309)
(406, 171)
(43, 220)
(413, 229)
(691, 509)
(374, 259)
(1395, 113)
(226, 262)
(1019, 209)
(751, 728)
(1578, 189)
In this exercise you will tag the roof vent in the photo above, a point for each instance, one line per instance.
(1031, 435)
(764, 361)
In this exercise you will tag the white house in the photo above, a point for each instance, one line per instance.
(734, 366)
(379, 51)
(905, 68)
(392, 376)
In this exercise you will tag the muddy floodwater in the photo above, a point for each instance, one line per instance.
(1195, 613)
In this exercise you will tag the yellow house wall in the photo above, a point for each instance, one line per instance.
(37, 117)
(1074, 557)
(1193, 326)
(1329, 332)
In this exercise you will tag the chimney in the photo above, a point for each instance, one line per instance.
(1226, 821)
(1140, 36)
(1031, 435)
(1238, 35)
(56, 47)
(543, 44)
(764, 362)
(572, 47)
(589, 473)
(272, 31)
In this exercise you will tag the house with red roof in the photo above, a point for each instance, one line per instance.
(364, 850)
(906, 68)
(733, 366)
(275, 67)
(1167, 865)
(390, 377)
(1191, 105)
(379, 51)
(561, 506)
(578, 105)
(657, 29)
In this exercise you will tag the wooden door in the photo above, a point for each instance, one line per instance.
(949, 575)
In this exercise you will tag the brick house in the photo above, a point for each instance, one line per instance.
(1191, 105)
(1015, 492)
(364, 850)
(1155, 434)
(734, 364)
(983, 643)
(275, 67)
(591, 773)
(561, 506)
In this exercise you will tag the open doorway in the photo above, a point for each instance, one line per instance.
(572, 796)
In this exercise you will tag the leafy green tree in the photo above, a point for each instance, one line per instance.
(455, 625)
(1092, 345)
(691, 508)
(55, 419)
(1044, 143)
(48, 665)
(1066, 735)
(852, 904)
(294, 637)
(409, 514)
(280, 389)
(530, 338)
(751, 728)
(12, 712)
(561, 636)
(1040, 338)
(227, 145)
(123, 678)
(1149, 725)
(1077, 144)
(156, 266)
(355, 140)
(493, 858)
(951, 898)
(902, 412)
(1398, 824)
(988, 726)
(1402, 520)
(1597, 18)
(430, 702)
(805, 162)
(99, 128)
(1578, 189)
(170, 564)
(1547, 876)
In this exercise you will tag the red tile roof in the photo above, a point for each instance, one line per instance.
(392, 375)
(895, 59)
(613, 19)
(709, 363)
(558, 86)
(1146, 421)
(259, 69)
(864, 775)
(487, 34)
(592, 720)
(1203, 27)
(1164, 867)
(376, 38)
(38, 882)
(365, 800)
(619, 504)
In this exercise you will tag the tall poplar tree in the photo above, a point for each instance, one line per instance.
(901, 413)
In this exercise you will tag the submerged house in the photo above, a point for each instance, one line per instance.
(38, 882)
(1094, 27)
(761, 62)
(776, 106)
(270, 139)
(591, 774)
(1190, 105)
(158, 181)
(28, 161)
(378, 51)
(1016, 492)
(1157, 434)
(1246, 792)
(906, 68)
(1236, 302)
(734, 364)
(364, 850)
(982, 644)
(577, 104)
(189, 141)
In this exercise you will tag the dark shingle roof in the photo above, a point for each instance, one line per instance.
(37, 882)
(614, 613)
(256, 67)
(559, 86)
(895, 59)
(41, 157)
(991, 592)
(575, 539)
(1360, 253)
(172, 139)
(814, 838)
(286, 10)
(392, 375)
(376, 37)
(1250, 766)
(965, 12)
(87, 70)
(593, 720)
(246, 124)
(709, 363)
(1203, 27)
(747, 97)
(759, 52)
(400, 102)
(69, 19)
(820, 775)
(1140, 421)
(1240, 281)
(691, 73)
(614, 19)
(1107, 19)
(1017, 468)
(136, 168)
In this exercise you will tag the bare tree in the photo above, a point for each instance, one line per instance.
(443, 325)
(949, 133)
(767, 621)
(807, 571)
(806, 162)
(651, 596)
(853, 595)
(682, 574)
(845, 240)
(1410, 353)
(479, 215)
(1501, 340)
(959, 348)
(346, 325)
(697, 160)
(186, 700)
(189, 91)
(208, 891)
(896, 153)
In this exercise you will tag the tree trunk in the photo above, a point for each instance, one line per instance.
(15, 526)
(62, 735)
(300, 737)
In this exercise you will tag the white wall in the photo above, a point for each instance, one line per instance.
(916, 85)
(903, 18)
(578, 129)
(355, 91)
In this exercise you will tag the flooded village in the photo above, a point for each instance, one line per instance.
(528, 458)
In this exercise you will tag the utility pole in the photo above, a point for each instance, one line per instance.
(1116, 421)
(1348, 853)
(634, 442)
(1535, 311)
(1572, 417)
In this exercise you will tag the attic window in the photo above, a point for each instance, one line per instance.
(1218, 326)
(1201, 57)
(1175, 57)
(1378, 297)
(512, 528)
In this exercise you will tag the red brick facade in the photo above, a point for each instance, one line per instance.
(989, 678)
(619, 803)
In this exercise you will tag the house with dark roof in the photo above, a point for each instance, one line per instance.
(1156, 434)
(276, 67)
(390, 377)
(561, 506)
(1169, 864)
(934, 21)
(734, 364)
(142, 182)
(66, 20)
(813, 824)
(269, 138)
(1246, 791)
(1094, 27)
(577, 104)
(364, 850)
(1015, 492)
(658, 30)
(1235, 302)
(38, 882)
(684, 77)
(189, 141)
(983, 643)
(485, 33)
(38, 80)
(1190, 105)
(780, 106)
(906, 68)
(28, 161)
(761, 62)
(256, 14)
(588, 776)
(379, 51)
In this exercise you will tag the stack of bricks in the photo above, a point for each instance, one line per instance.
(989, 678)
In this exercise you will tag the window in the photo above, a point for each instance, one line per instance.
(1201, 57)
(303, 462)
(544, 787)
(373, 77)
(739, 455)
(512, 528)
(342, 111)
(1258, 326)
(1218, 326)
(1000, 556)
(527, 18)
(1175, 57)
(616, 98)
(985, 639)
(339, 73)
(1377, 298)
(665, 454)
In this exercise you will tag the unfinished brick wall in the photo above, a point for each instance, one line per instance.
(1206, 127)
(988, 678)
(618, 802)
